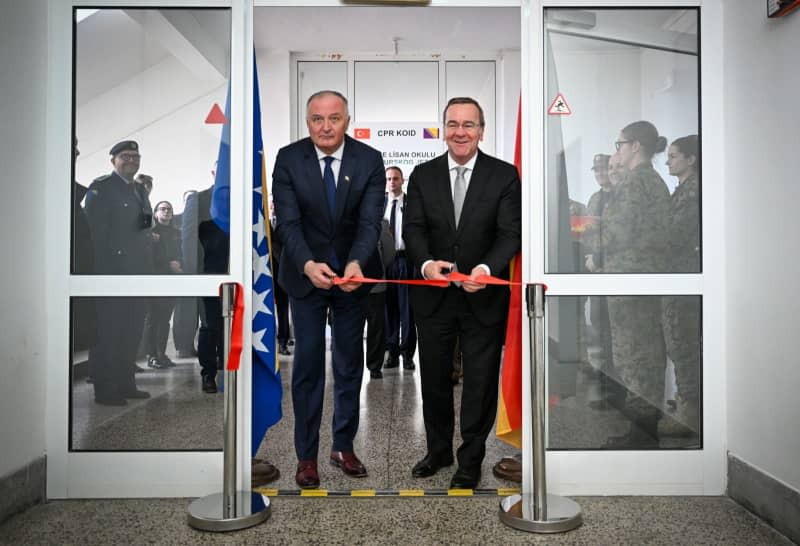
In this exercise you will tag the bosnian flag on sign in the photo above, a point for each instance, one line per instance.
(361, 132)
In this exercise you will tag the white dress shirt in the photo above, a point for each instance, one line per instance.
(336, 164)
(451, 165)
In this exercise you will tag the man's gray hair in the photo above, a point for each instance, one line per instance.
(325, 92)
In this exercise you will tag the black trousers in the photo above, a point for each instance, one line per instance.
(184, 323)
(401, 335)
(481, 348)
(281, 308)
(210, 348)
(120, 322)
(156, 326)
(376, 332)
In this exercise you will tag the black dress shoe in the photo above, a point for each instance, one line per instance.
(136, 393)
(110, 400)
(375, 374)
(283, 349)
(408, 363)
(156, 364)
(209, 385)
(464, 479)
(165, 361)
(392, 362)
(429, 466)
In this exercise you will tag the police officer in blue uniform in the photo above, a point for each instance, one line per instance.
(119, 215)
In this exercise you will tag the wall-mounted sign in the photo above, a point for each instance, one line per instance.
(402, 144)
(779, 8)
(559, 107)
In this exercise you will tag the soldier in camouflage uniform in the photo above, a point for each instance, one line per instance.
(635, 239)
(612, 394)
(681, 314)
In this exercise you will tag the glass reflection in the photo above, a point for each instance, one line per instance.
(148, 85)
(645, 217)
(627, 374)
(131, 388)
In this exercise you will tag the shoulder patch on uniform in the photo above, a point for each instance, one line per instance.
(101, 178)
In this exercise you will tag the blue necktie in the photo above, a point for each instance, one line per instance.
(330, 185)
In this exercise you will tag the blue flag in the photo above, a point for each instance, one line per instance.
(267, 390)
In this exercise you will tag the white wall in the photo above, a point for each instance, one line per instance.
(762, 81)
(23, 324)
(276, 104)
(164, 109)
(276, 110)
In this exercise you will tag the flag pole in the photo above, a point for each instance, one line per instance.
(230, 510)
(536, 511)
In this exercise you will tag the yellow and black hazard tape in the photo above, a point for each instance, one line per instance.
(500, 492)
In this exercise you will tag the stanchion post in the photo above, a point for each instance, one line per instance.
(229, 406)
(535, 298)
(230, 510)
(551, 513)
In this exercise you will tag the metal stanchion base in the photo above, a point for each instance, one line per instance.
(250, 509)
(563, 514)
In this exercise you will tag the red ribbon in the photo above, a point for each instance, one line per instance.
(453, 276)
(235, 353)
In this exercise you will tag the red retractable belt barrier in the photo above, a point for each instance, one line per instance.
(235, 353)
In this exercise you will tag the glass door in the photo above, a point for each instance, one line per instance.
(618, 125)
(153, 226)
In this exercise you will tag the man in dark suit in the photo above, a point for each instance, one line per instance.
(401, 335)
(328, 192)
(120, 216)
(463, 213)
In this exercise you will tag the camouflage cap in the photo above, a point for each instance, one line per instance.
(600, 161)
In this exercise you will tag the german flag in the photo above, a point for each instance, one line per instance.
(509, 411)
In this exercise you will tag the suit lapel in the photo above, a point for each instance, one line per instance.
(316, 185)
(442, 179)
(346, 173)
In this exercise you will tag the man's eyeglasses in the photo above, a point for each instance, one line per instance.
(129, 157)
(618, 144)
(467, 125)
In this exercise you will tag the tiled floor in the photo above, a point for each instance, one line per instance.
(607, 520)
(390, 440)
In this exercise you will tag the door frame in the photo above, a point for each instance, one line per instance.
(170, 474)
(696, 472)
(156, 473)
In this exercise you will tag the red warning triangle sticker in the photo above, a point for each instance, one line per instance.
(216, 115)
(559, 107)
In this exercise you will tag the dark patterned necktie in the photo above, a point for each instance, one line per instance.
(330, 185)
(393, 217)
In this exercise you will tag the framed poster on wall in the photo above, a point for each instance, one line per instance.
(779, 8)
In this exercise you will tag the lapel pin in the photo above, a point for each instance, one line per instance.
(346, 178)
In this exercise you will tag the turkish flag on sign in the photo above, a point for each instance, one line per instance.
(362, 132)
